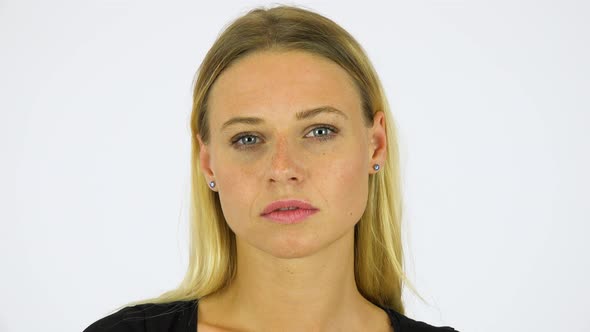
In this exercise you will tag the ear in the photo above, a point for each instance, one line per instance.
(205, 159)
(378, 141)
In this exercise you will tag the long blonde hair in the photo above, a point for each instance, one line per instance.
(378, 252)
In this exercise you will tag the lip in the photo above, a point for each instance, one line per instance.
(284, 203)
(304, 210)
(289, 217)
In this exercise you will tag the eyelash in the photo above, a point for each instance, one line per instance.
(236, 144)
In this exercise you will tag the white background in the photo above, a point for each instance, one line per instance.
(491, 99)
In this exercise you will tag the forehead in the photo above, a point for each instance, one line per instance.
(278, 83)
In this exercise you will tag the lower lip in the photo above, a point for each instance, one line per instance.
(289, 216)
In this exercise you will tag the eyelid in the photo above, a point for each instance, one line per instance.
(331, 128)
(238, 137)
(234, 141)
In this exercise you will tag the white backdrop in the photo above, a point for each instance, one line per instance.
(491, 99)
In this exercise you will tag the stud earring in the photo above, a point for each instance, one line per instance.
(212, 184)
(376, 167)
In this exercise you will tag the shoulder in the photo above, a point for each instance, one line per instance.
(402, 323)
(172, 316)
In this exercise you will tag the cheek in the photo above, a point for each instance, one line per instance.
(238, 186)
(345, 185)
(233, 170)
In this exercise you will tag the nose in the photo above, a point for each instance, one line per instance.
(285, 165)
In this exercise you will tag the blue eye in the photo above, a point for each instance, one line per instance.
(248, 140)
(322, 129)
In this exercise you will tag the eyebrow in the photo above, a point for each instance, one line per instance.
(302, 115)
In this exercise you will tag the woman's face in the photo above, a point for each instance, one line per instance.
(324, 159)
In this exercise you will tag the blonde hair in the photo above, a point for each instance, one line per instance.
(378, 252)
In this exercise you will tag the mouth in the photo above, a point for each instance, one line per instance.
(287, 204)
(289, 216)
(288, 211)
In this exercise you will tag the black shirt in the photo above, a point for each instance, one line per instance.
(181, 316)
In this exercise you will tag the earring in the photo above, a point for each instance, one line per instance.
(376, 167)
(212, 184)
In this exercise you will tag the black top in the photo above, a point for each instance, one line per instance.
(181, 316)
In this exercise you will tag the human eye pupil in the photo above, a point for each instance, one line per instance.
(321, 131)
(246, 140)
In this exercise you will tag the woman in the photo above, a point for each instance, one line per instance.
(296, 218)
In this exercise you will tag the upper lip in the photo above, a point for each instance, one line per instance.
(287, 203)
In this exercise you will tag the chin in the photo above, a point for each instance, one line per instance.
(287, 248)
(295, 241)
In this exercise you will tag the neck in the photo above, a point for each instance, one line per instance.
(296, 294)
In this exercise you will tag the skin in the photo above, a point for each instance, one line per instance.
(297, 277)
